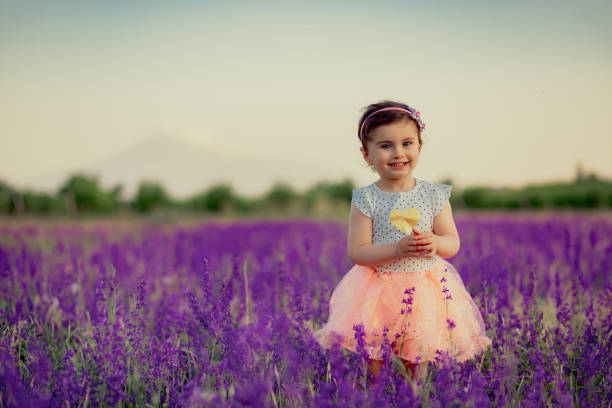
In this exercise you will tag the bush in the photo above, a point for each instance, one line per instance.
(329, 192)
(86, 195)
(475, 197)
(150, 195)
(281, 196)
(218, 198)
(42, 203)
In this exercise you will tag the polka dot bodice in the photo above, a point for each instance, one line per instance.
(428, 198)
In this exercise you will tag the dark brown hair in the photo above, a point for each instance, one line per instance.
(383, 118)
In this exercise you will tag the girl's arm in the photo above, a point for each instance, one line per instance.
(360, 248)
(445, 233)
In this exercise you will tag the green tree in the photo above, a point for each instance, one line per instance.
(475, 197)
(150, 195)
(324, 196)
(245, 205)
(83, 190)
(42, 203)
(341, 191)
(281, 196)
(217, 198)
(7, 203)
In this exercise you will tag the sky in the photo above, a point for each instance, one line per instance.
(511, 92)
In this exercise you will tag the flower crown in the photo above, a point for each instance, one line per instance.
(416, 115)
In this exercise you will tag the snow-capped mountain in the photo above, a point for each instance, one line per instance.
(185, 168)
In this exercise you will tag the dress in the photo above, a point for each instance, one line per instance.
(433, 293)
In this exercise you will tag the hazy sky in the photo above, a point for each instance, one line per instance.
(512, 92)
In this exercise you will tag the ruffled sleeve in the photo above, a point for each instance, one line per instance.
(440, 195)
(362, 201)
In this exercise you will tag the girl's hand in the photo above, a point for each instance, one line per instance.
(407, 247)
(427, 242)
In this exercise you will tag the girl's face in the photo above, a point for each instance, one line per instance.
(397, 142)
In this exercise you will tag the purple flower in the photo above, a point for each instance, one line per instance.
(408, 300)
(76, 331)
(360, 339)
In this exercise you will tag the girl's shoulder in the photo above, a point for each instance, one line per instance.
(437, 193)
(364, 198)
(433, 188)
(364, 192)
(363, 188)
(424, 185)
(431, 183)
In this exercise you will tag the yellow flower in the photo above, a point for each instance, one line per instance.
(404, 220)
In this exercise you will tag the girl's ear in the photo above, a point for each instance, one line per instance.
(366, 157)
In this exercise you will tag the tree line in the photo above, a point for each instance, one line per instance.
(83, 194)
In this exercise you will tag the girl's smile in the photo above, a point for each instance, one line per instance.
(398, 165)
(394, 150)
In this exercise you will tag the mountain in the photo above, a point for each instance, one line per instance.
(185, 168)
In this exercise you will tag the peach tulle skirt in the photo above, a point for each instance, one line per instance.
(365, 296)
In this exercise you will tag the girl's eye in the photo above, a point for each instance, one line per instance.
(384, 146)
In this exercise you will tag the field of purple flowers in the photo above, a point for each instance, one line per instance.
(222, 314)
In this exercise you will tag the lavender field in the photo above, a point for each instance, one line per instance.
(222, 314)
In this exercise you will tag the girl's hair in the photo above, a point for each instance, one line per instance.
(383, 118)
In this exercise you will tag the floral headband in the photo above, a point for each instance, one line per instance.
(416, 115)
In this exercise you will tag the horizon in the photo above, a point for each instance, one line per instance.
(128, 190)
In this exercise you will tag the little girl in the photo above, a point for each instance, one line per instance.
(400, 230)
